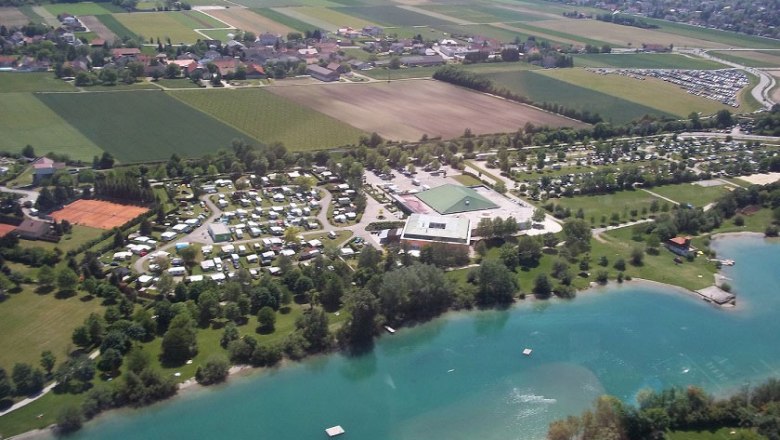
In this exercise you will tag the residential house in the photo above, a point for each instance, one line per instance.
(255, 71)
(7, 61)
(680, 246)
(97, 42)
(336, 67)
(125, 52)
(45, 167)
(31, 229)
(227, 66)
(187, 66)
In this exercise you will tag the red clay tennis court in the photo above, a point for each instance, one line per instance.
(98, 214)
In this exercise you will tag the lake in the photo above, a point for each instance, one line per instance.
(464, 376)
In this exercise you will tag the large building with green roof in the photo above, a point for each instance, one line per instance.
(452, 199)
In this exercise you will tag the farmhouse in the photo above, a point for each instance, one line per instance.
(423, 229)
(452, 199)
(43, 167)
(219, 232)
(322, 73)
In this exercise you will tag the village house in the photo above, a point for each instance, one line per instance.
(45, 167)
(125, 52)
(322, 73)
(31, 229)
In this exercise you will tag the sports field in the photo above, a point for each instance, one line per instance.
(97, 213)
(645, 61)
(178, 26)
(25, 120)
(142, 126)
(542, 88)
(692, 193)
(248, 20)
(408, 109)
(651, 92)
(271, 118)
(751, 58)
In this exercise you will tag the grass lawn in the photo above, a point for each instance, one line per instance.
(24, 120)
(541, 88)
(79, 236)
(13, 82)
(270, 118)
(651, 92)
(182, 83)
(645, 61)
(23, 179)
(31, 323)
(756, 222)
(84, 8)
(143, 125)
(751, 58)
(483, 171)
(26, 418)
(696, 195)
(720, 434)
(621, 203)
(467, 180)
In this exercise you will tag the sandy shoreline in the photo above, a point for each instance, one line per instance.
(190, 385)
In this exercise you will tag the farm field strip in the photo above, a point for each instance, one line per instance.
(496, 31)
(249, 20)
(47, 16)
(390, 15)
(271, 118)
(142, 125)
(439, 109)
(486, 14)
(12, 17)
(84, 8)
(645, 61)
(115, 26)
(312, 21)
(333, 16)
(522, 29)
(718, 38)
(651, 92)
(18, 82)
(178, 26)
(543, 88)
(751, 58)
(25, 120)
(284, 3)
(283, 20)
(27, 10)
(98, 27)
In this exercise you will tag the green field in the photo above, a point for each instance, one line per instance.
(14, 82)
(645, 61)
(27, 10)
(696, 195)
(730, 39)
(662, 96)
(270, 118)
(486, 30)
(115, 26)
(142, 126)
(85, 8)
(283, 3)
(79, 236)
(286, 20)
(335, 16)
(546, 33)
(751, 58)
(178, 26)
(720, 434)
(621, 203)
(541, 88)
(392, 16)
(31, 323)
(479, 13)
(25, 120)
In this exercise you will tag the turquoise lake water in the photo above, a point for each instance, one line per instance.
(464, 377)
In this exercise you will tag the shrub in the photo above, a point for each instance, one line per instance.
(215, 370)
(70, 418)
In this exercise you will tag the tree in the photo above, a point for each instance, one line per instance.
(529, 250)
(146, 228)
(266, 320)
(497, 284)
(137, 359)
(637, 255)
(542, 286)
(577, 233)
(27, 381)
(215, 370)
(538, 215)
(330, 296)
(313, 327)
(46, 276)
(5, 385)
(67, 279)
(179, 342)
(229, 335)
(48, 360)
(70, 418)
(165, 283)
(550, 240)
(620, 264)
(363, 308)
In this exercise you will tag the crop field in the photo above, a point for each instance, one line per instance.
(487, 14)
(31, 323)
(178, 26)
(284, 3)
(497, 31)
(142, 126)
(524, 30)
(751, 58)
(621, 36)
(284, 20)
(270, 118)
(85, 8)
(651, 92)
(12, 82)
(115, 26)
(543, 88)
(98, 27)
(393, 16)
(25, 120)
(645, 61)
(12, 17)
(620, 203)
(410, 109)
(334, 16)
(249, 21)
(311, 22)
(722, 39)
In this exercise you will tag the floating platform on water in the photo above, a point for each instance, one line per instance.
(390, 329)
(527, 352)
(334, 431)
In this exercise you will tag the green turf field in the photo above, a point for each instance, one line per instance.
(651, 92)
(542, 88)
(84, 8)
(696, 195)
(178, 26)
(25, 120)
(392, 16)
(270, 118)
(13, 82)
(645, 61)
(280, 18)
(140, 126)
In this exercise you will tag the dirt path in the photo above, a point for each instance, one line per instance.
(660, 196)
